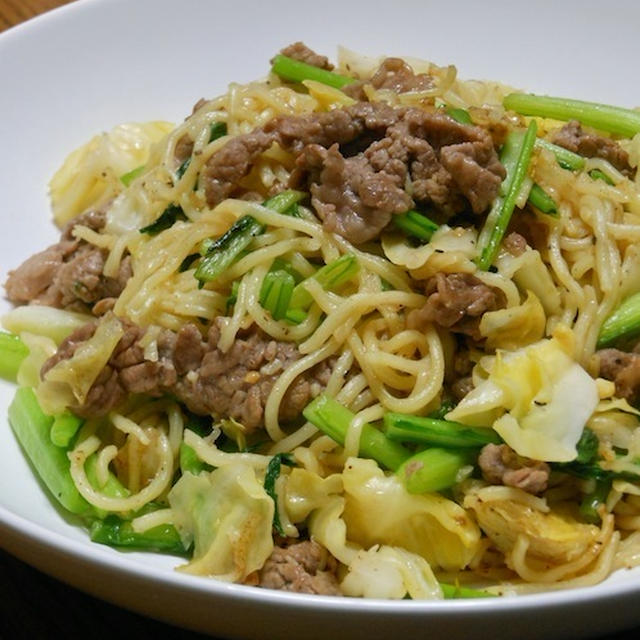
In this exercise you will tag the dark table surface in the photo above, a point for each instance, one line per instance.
(34, 605)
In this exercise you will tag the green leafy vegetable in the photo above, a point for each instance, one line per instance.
(434, 469)
(295, 71)
(12, 352)
(116, 532)
(330, 277)
(167, 219)
(515, 156)
(624, 122)
(64, 428)
(565, 158)
(455, 591)
(333, 419)
(129, 177)
(271, 475)
(624, 322)
(435, 432)
(593, 501)
(416, 225)
(459, 115)
(32, 429)
(275, 293)
(540, 199)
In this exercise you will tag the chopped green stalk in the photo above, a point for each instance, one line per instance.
(167, 219)
(64, 428)
(112, 488)
(624, 322)
(284, 200)
(218, 129)
(333, 419)
(223, 252)
(295, 316)
(441, 433)
(32, 429)
(455, 591)
(433, 469)
(459, 115)
(190, 462)
(624, 122)
(443, 409)
(182, 169)
(129, 177)
(233, 296)
(591, 503)
(587, 446)
(276, 291)
(540, 199)
(12, 352)
(226, 249)
(330, 277)
(116, 532)
(596, 174)
(566, 159)
(295, 71)
(416, 225)
(515, 156)
(271, 475)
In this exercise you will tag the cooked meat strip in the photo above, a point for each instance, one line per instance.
(502, 465)
(574, 138)
(233, 384)
(68, 274)
(299, 51)
(394, 74)
(357, 162)
(304, 567)
(623, 368)
(456, 301)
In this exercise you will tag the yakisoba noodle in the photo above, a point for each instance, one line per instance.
(546, 498)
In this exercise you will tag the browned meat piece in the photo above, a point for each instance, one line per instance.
(624, 369)
(502, 465)
(184, 148)
(68, 274)
(299, 51)
(350, 197)
(394, 74)
(234, 384)
(573, 137)
(304, 567)
(457, 302)
(381, 150)
(515, 244)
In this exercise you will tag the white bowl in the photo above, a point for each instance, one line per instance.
(96, 63)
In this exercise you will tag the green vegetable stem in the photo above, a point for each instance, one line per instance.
(295, 71)
(515, 156)
(12, 352)
(333, 419)
(617, 120)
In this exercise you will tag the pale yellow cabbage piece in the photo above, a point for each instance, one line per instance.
(450, 250)
(69, 381)
(228, 516)
(41, 320)
(514, 327)
(90, 175)
(537, 398)
(306, 491)
(554, 536)
(379, 510)
(390, 573)
(531, 274)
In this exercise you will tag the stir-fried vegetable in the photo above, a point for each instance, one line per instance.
(167, 219)
(624, 322)
(117, 532)
(333, 419)
(617, 120)
(295, 71)
(515, 157)
(437, 432)
(12, 352)
(434, 469)
(416, 225)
